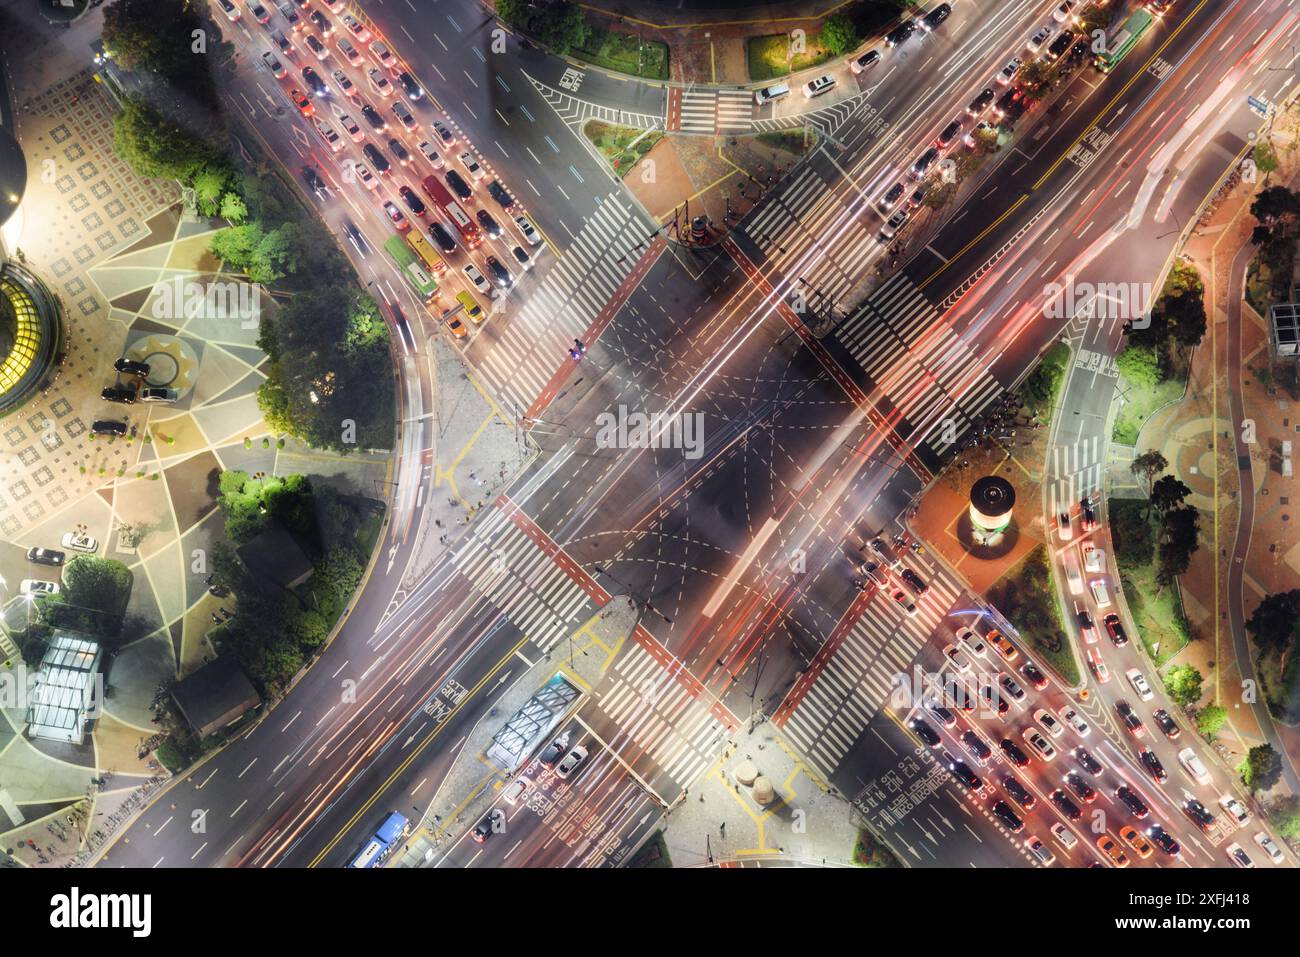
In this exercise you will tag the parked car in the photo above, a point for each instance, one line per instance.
(45, 556)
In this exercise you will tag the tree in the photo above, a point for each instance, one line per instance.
(1180, 540)
(1210, 719)
(92, 598)
(1036, 77)
(237, 245)
(1285, 817)
(513, 13)
(209, 183)
(277, 254)
(233, 209)
(1139, 365)
(155, 146)
(1168, 493)
(1263, 768)
(1149, 464)
(1183, 683)
(1275, 622)
(838, 35)
(562, 26)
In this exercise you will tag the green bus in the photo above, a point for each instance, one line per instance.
(1124, 39)
(420, 280)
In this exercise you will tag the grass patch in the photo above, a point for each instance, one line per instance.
(1026, 596)
(622, 146)
(1139, 406)
(769, 57)
(869, 852)
(1158, 614)
(368, 532)
(653, 853)
(625, 53)
(1042, 387)
(797, 142)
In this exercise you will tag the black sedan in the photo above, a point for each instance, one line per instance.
(1163, 840)
(1087, 761)
(1065, 805)
(1166, 723)
(1019, 793)
(962, 772)
(1153, 765)
(1086, 792)
(1003, 812)
(925, 732)
(498, 192)
(1132, 801)
(1013, 752)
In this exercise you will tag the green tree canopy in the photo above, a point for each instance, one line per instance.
(1149, 464)
(1183, 683)
(1285, 817)
(1263, 768)
(513, 13)
(1140, 365)
(155, 146)
(1275, 622)
(562, 26)
(1210, 719)
(92, 598)
(838, 35)
(1168, 493)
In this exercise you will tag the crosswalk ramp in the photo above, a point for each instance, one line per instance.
(510, 570)
(903, 345)
(657, 717)
(857, 680)
(563, 306)
(1076, 470)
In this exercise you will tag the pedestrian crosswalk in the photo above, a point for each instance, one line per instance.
(530, 589)
(534, 343)
(920, 362)
(857, 680)
(735, 111)
(1076, 471)
(716, 111)
(658, 717)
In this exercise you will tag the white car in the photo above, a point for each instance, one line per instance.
(229, 9)
(428, 152)
(404, 115)
(1040, 851)
(516, 789)
(351, 128)
(1010, 70)
(379, 82)
(366, 178)
(1039, 743)
(80, 543)
(529, 230)
(344, 83)
(1238, 856)
(1266, 844)
(1073, 578)
(1062, 13)
(1236, 810)
(1094, 560)
(571, 762)
(356, 28)
(1064, 836)
(479, 281)
(959, 659)
(903, 601)
(1039, 39)
(819, 85)
(384, 56)
(328, 134)
(1049, 722)
(1075, 720)
(34, 586)
(1099, 593)
(275, 66)
(973, 642)
(1193, 766)
(471, 165)
(350, 53)
(1139, 683)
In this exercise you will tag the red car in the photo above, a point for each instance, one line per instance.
(301, 101)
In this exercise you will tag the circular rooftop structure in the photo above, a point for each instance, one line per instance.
(29, 335)
(991, 500)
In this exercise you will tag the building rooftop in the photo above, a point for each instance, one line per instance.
(215, 689)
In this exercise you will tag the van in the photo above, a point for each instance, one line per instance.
(770, 94)
(816, 87)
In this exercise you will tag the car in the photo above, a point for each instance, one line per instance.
(500, 194)
(516, 790)
(1088, 762)
(961, 770)
(1034, 676)
(1193, 765)
(918, 196)
(1139, 683)
(410, 85)
(109, 427)
(302, 101)
(1075, 720)
(1099, 593)
(891, 196)
(1085, 791)
(1064, 836)
(350, 53)
(36, 586)
(484, 829)
(948, 134)
(412, 201)
(976, 747)
(914, 581)
(819, 85)
(923, 163)
(458, 184)
(1065, 804)
(881, 549)
(940, 714)
(374, 118)
(1235, 809)
(930, 22)
(1097, 666)
(530, 232)
(443, 132)
(554, 751)
(457, 327)
(283, 43)
(970, 140)
(973, 643)
(1010, 687)
(260, 13)
(1086, 628)
(131, 367)
(1132, 801)
(1094, 559)
(313, 80)
(1004, 647)
(1151, 762)
(1266, 844)
(1238, 856)
(993, 699)
(345, 85)
(1167, 725)
(1039, 743)
(893, 225)
(960, 660)
(443, 237)
(328, 134)
(363, 176)
(477, 279)
(404, 115)
(1115, 629)
(1163, 840)
(491, 228)
(1008, 72)
(925, 732)
(119, 393)
(1014, 753)
(572, 761)
(377, 159)
(395, 216)
(379, 82)
(1018, 792)
(1049, 722)
(356, 28)
(981, 102)
(1082, 47)
(865, 61)
(398, 149)
(45, 556)
(875, 572)
(79, 543)
(1201, 816)
(429, 153)
(900, 597)
(1062, 13)
(322, 23)
(314, 182)
(384, 56)
(1010, 105)
(351, 128)
(1111, 848)
(229, 9)
(275, 66)
(1060, 45)
(1040, 851)
(900, 33)
(471, 165)
(291, 17)
(316, 47)
(1132, 723)
(957, 693)
(1063, 527)
(499, 273)
(1009, 819)
(1040, 37)
(158, 394)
